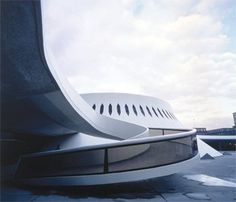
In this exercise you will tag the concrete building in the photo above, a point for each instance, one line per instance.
(220, 138)
(51, 135)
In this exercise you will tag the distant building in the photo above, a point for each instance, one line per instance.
(201, 131)
(218, 131)
(220, 138)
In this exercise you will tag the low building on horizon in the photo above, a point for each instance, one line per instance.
(220, 138)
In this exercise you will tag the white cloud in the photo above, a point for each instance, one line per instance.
(175, 50)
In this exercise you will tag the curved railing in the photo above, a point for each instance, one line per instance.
(128, 155)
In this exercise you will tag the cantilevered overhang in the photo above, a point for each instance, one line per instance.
(36, 99)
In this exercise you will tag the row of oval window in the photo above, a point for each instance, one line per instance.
(163, 113)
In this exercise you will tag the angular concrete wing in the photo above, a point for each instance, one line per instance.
(204, 149)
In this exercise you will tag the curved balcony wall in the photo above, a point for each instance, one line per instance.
(104, 159)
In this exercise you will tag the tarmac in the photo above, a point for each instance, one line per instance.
(209, 180)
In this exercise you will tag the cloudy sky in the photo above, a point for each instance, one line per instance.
(182, 51)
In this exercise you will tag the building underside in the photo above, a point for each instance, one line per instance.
(51, 135)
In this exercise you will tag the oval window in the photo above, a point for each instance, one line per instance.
(101, 109)
(160, 112)
(118, 109)
(94, 106)
(148, 111)
(141, 109)
(110, 109)
(154, 111)
(135, 111)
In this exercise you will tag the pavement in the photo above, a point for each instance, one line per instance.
(210, 180)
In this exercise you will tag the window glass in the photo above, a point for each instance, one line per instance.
(94, 106)
(118, 109)
(154, 111)
(127, 109)
(148, 111)
(101, 109)
(141, 109)
(110, 109)
(160, 112)
(135, 111)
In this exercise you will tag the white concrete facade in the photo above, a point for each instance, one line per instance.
(142, 110)
(91, 138)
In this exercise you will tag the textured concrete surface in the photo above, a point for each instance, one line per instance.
(176, 187)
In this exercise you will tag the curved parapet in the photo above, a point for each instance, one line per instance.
(35, 97)
(110, 163)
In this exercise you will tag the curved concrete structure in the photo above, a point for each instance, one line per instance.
(36, 98)
(70, 141)
(97, 179)
(142, 110)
